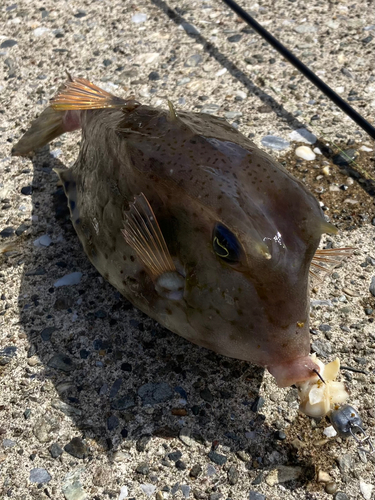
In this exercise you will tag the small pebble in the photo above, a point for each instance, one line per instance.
(193, 61)
(148, 489)
(217, 458)
(112, 423)
(7, 232)
(55, 450)
(40, 31)
(305, 153)
(27, 190)
(68, 280)
(61, 362)
(7, 44)
(366, 489)
(257, 405)
(77, 448)
(282, 474)
(39, 476)
(254, 495)
(331, 488)
(305, 28)
(234, 38)
(280, 435)
(323, 477)
(274, 142)
(139, 18)
(232, 475)
(340, 496)
(154, 393)
(195, 471)
(8, 443)
(207, 395)
(174, 456)
(153, 76)
(330, 431)
(302, 135)
(180, 464)
(143, 468)
(123, 493)
(43, 241)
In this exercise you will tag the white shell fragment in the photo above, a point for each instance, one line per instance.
(305, 153)
(317, 398)
(330, 432)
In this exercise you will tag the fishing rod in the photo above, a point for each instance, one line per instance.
(314, 79)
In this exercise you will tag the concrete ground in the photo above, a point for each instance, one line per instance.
(97, 400)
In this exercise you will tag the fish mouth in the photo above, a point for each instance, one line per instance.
(294, 371)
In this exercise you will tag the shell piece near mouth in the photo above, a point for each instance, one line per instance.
(317, 398)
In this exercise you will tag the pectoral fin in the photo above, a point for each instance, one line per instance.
(324, 261)
(142, 232)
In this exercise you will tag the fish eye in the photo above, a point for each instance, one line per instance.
(225, 244)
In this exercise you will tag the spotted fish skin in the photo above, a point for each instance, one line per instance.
(196, 170)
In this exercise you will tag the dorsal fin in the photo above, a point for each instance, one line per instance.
(79, 93)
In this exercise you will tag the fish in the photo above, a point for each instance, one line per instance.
(194, 224)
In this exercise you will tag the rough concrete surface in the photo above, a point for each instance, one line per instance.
(98, 401)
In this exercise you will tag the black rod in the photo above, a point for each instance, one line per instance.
(323, 87)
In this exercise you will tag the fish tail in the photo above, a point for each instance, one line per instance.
(64, 113)
(49, 125)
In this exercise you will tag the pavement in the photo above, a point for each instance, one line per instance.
(98, 401)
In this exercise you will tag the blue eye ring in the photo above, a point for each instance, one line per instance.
(225, 244)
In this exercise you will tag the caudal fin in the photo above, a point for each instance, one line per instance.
(63, 114)
(43, 130)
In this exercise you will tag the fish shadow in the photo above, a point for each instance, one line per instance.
(120, 377)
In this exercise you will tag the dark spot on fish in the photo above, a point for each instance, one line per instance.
(72, 204)
(168, 311)
(66, 185)
(124, 257)
(132, 258)
(78, 221)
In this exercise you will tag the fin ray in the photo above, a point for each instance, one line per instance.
(325, 260)
(79, 94)
(142, 232)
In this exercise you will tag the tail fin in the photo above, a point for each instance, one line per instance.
(63, 113)
(43, 130)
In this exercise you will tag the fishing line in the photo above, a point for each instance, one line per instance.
(314, 79)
